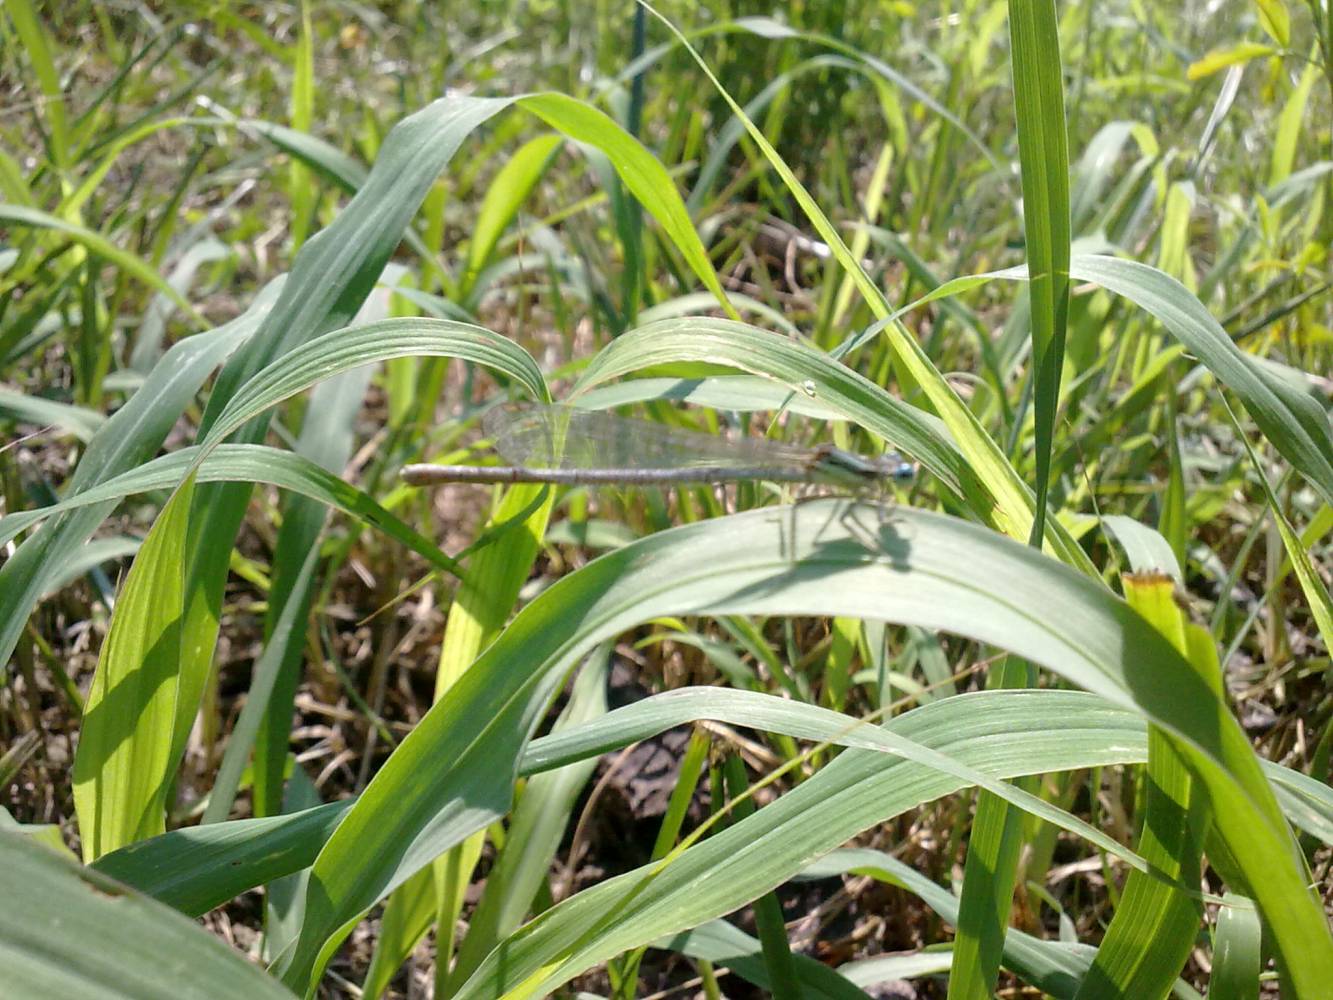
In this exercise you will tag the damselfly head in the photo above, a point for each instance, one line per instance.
(864, 468)
(893, 466)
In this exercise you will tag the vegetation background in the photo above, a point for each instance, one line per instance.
(1053, 721)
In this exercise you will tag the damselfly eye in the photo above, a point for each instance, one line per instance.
(904, 472)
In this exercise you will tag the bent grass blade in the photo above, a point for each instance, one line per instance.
(565, 445)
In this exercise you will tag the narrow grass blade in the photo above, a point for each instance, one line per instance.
(1043, 150)
(79, 933)
(72, 205)
(993, 846)
(1296, 425)
(1154, 927)
(302, 192)
(99, 246)
(80, 421)
(535, 831)
(774, 946)
(35, 44)
(771, 28)
(1289, 127)
(726, 945)
(1012, 510)
(1054, 967)
(129, 438)
(821, 552)
(506, 194)
(125, 760)
(329, 162)
(246, 463)
(327, 439)
(477, 614)
(1173, 519)
(1237, 951)
(1298, 554)
(408, 915)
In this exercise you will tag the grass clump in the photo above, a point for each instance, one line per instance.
(1053, 720)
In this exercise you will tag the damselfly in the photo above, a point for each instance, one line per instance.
(570, 446)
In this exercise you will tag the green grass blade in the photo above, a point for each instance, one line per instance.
(1298, 553)
(1054, 967)
(408, 915)
(818, 556)
(1145, 548)
(320, 157)
(82, 934)
(13, 183)
(993, 847)
(80, 421)
(774, 945)
(328, 435)
(302, 191)
(1291, 420)
(124, 764)
(1173, 518)
(242, 463)
(71, 206)
(1288, 136)
(357, 346)
(506, 194)
(728, 946)
(1043, 150)
(641, 172)
(99, 246)
(35, 44)
(535, 831)
(197, 868)
(130, 437)
(1154, 927)
(1237, 951)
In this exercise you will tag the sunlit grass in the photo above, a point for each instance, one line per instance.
(1072, 260)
